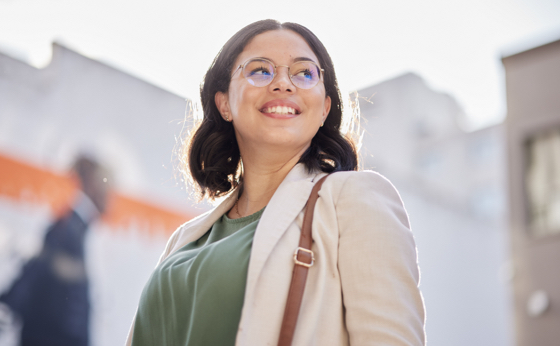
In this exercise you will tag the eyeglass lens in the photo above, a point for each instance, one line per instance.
(304, 74)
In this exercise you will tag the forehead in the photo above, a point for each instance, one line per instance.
(280, 46)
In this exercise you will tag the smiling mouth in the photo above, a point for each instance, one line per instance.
(280, 110)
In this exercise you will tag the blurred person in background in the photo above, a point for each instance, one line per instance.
(50, 299)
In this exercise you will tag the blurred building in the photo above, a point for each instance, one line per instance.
(77, 104)
(533, 135)
(453, 186)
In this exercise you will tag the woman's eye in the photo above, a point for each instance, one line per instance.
(306, 73)
(261, 71)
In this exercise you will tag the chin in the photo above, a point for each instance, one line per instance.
(291, 142)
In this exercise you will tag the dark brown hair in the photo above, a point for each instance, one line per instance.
(212, 152)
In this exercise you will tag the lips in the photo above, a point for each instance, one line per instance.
(281, 109)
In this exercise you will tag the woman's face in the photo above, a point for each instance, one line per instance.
(256, 120)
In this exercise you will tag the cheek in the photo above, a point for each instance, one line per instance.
(319, 104)
(319, 97)
(240, 99)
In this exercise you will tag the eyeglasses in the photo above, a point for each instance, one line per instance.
(260, 72)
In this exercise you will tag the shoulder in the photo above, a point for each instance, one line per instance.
(365, 192)
(362, 184)
(357, 177)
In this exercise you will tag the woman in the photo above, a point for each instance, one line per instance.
(270, 131)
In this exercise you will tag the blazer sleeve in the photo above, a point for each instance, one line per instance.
(378, 264)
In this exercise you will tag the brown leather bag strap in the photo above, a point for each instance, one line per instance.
(303, 258)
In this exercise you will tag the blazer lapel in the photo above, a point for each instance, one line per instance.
(285, 205)
(196, 228)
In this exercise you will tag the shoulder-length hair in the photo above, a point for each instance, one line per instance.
(212, 154)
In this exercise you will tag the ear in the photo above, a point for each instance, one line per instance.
(327, 108)
(222, 103)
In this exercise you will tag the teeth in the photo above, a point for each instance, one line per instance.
(280, 110)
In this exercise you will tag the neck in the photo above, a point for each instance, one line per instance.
(263, 172)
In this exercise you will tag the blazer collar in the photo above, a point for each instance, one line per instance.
(284, 206)
(195, 228)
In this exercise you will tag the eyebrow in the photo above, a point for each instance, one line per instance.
(299, 58)
(302, 58)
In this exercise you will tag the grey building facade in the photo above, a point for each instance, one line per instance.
(533, 137)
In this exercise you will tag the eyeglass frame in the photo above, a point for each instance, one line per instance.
(242, 67)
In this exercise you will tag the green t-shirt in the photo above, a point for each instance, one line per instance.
(195, 296)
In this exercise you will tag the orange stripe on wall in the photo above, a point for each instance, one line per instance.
(31, 184)
(123, 211)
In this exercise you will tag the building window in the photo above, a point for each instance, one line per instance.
(542, 183)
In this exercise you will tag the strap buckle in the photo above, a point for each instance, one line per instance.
(296, 253)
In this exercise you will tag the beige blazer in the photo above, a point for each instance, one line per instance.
(363, 287)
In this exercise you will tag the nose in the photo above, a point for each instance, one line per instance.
(282, 81)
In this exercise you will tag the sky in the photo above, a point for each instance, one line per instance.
(456, 46)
